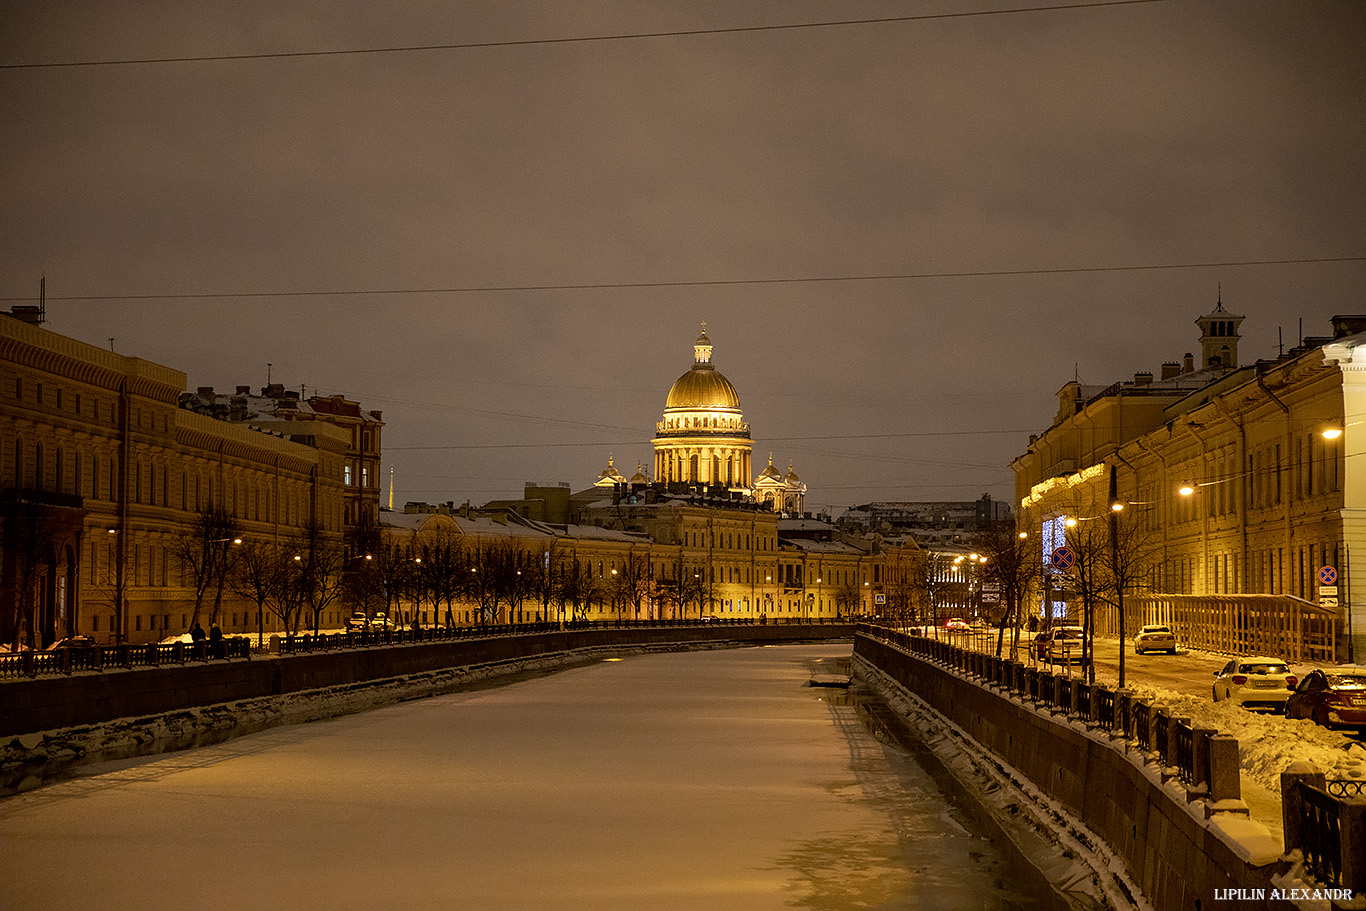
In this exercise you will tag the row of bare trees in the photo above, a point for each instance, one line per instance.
(1112, 558)
(295, 578)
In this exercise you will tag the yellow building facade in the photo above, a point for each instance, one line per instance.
(1242, 484)
(101, 476)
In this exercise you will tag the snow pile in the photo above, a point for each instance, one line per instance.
(1267, 743)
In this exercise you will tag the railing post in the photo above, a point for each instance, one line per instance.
(1292, 801)
(1222, 771)
(1352, 831)
(1200, 759)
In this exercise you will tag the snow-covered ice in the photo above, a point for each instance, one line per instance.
(695, 780)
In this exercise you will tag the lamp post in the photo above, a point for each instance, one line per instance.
(1116, 506)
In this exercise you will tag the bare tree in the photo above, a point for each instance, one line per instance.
(207, 551)
(441, 566)
(633, 581)
(1014, 565)
(30, 533)
(492, 576)
(362, 581)
(260, 574)
(577, 588)
(848, 596)
(1126, 562)
(1087, 541)
(319, 557)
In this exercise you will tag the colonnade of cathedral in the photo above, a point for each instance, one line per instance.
(722, 464)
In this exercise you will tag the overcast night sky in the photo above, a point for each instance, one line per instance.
(467, 189)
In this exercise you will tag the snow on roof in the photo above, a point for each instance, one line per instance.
(820, 547)
(597, 533)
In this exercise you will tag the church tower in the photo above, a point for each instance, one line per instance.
(1219, 337)
(703, 438)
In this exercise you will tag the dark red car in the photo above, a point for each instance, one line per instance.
(1334, 697)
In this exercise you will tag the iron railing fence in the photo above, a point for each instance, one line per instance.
(1172, 742)
(99, 658)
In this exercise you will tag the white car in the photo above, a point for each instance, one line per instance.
(1259, 681)
(1155, 638)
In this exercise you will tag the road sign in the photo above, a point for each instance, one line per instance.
(1328, 590)
(1328, 600)
(991, 597)
(879, 599)
(991, 586)
(1328, 575)
(1063, 558)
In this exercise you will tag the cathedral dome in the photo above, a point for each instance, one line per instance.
(703, 387)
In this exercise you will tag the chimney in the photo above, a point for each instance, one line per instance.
(1143, 379)
(206, 390)
(1189, 366)
(34, 316)
(244, 390)
(1348, 325)
(1170, 369)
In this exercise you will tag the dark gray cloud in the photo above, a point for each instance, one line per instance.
(1169, 132)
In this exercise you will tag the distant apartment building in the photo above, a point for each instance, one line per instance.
(932, 523)
(321, 416)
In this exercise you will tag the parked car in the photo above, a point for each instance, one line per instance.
(956, 625)
(1333, 697)
(358, 621)
(1065, 645)
(1258, 681)
(72, 642)
(379, 621)
(1059, 645)
(1155, 638)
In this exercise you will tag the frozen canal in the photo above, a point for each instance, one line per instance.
(707, 780)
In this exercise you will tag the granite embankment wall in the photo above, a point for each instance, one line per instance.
(47, 703)
(1166, 839)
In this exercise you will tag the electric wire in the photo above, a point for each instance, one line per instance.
(696, 283)
(579, 39)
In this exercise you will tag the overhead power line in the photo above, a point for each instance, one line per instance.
(696, 283)
(580, 39)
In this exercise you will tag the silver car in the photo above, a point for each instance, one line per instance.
(1256, 681)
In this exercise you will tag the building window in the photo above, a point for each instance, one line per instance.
(346, 475)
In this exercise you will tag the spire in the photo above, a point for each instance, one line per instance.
(391, 489)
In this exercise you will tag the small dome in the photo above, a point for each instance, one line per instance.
(791, 475)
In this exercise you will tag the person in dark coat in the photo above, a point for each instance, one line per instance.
(196, 632)
(215, 641)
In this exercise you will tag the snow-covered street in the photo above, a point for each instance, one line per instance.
(692, 780)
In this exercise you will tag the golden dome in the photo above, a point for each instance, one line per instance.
(703, 387)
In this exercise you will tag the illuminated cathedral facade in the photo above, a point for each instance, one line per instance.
(702, 441)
